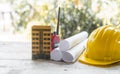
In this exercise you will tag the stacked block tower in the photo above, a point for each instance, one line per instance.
(41, 42)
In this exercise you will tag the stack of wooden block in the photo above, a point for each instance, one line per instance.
(41, 42)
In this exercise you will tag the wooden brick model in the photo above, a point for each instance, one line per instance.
(41, 42)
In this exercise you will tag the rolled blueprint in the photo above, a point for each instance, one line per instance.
(72, 41)
(56, 54)
(72, 54)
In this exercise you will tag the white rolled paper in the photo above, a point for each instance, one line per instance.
(72, 54)
(56, 54)
(72, 41)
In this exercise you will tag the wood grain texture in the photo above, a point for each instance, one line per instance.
(15, 58)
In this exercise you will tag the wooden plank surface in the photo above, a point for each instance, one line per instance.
(15, 58)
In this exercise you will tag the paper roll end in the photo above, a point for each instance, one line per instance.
(67, 57)
(56, 55)
(64, 45)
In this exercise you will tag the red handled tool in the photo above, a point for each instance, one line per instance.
(55, 36)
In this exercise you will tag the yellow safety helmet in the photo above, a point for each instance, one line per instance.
(103, 46)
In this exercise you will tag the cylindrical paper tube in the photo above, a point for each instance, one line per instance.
(56, 54)
(72, 41)
(72, 54)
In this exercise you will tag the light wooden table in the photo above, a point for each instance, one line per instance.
(15, 58)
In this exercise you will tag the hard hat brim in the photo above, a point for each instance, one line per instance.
(86, 60)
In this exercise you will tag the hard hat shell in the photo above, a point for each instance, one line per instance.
(103, 46)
